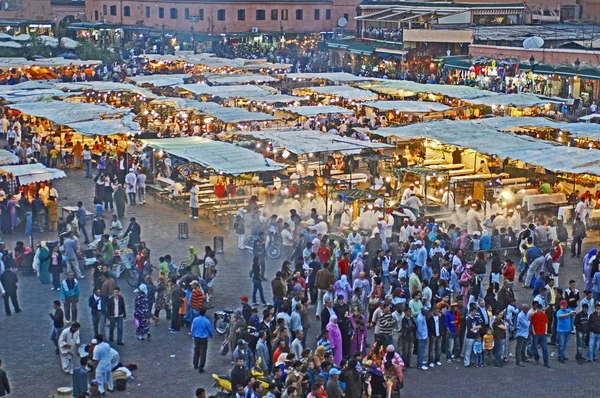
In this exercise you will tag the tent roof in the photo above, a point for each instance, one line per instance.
(224, 79)
(32, 173)
(7, 157)
(224, 114)
(315, 110)
(234, 91)
(21, 96)
(124, 125)
(160, 80)
(219, 156)
(273, 98)
(407, 106)
(60, 112)
(28, 85)
(480, 136)
(336, 77)
(309, 141)
(346, 92)
(106, 86)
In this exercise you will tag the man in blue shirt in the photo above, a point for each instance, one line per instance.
(563, 329)
(202, 330)
(422, 336)
(522, 335)
(102, 360)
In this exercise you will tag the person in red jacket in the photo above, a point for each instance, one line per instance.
(343, 264)
(509, 271)
(539, 324)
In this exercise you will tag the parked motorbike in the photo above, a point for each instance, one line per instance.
(222, 321)
(223, 382)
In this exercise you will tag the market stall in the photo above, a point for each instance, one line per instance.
(400, 112)
(32, 173)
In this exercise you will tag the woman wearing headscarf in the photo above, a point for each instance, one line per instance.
(357, 250)
(342, 288)
(141, 313)
(397, 364)
(162, 296)
(240, 228)
(43, 255)
(192, 261)
(359, 332)
(363, 283)
(357, 266)
(587, 268)
(335, 338)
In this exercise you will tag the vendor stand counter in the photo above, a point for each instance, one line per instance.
(460, 172)
(457, 179)
(354, 178)
(565, 213)
(433, 162)
(455, 166)
(533, 201)
(73, 209)
(525, 192)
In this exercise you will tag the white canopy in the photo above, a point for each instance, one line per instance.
(336, 77)
(160, 80)
(311, 111)
(124, 125)
(10, 44)
(234, 91)
(273, 98)
(220, 156)
(225, 79)
(521, 100)
(7, 157)
(310, 141)
(32, 173)
(28, 96)
(106, 86)
(590, 116)
(28, 85)
(407, 106)
(22, 37)
(63, 113)
(346, 92)
(224, 114)
(479, 136)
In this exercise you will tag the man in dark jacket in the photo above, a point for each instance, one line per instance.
(239, 374)
(4, 385)
(594, 327)
(582, 329)
(97, 304)
(505, 295)
(435, 329)
(58, 322)
(134, 231)
(260, 251)
(9, 281)
(278, 289)
(116, 314)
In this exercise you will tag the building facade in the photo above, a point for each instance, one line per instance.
(225, 16)
(41, 12)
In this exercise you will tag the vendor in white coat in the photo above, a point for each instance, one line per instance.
(408, 192)
(353, 238)
(130, 185)
(474, 219)
(194, 201)
(448, 199)
(346, 219)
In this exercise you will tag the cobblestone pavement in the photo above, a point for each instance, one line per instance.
(164, 362)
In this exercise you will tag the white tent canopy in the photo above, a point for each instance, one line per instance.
(480, 137)
(235, 91)
(346, 92)
(106, 86)
(216, 155)
(160, 80)
(335, 77)
(33, 173)
(28, 85)
(273, 98)
(63, 113)
(311, 111)
(24, 96)
(124, 125)
(7, 157)
(225, 79)
(407, 106)
(310, 141)
(224, 114)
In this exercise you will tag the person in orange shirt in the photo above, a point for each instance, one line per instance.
(77, 154)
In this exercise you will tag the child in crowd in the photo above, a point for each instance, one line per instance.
(478, 351)
(488, 347)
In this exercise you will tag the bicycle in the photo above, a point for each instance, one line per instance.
(125, 266)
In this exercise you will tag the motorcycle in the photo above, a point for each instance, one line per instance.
(222, 321)
(273, 246)
(223, 382)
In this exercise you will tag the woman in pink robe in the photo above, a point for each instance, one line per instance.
(335, 339)
(359, 332)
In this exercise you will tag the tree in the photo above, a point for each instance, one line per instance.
(90, 51)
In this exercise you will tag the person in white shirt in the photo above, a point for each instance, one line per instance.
(353, 238)
(408, 192)
(53, 191)
(131, 185)
(141, 187)
(176, 189)
(346, 219)
(448, 200)
(414, 203)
